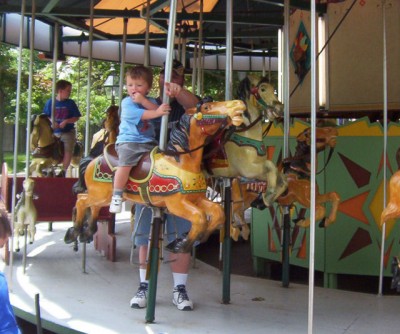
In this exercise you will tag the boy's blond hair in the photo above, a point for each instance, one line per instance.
(141, 72)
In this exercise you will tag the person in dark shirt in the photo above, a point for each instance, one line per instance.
(65, 116)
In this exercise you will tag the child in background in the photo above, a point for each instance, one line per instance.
(136, 130)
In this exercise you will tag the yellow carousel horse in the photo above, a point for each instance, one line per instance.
(47, 150)
(172, 179)
(244, 153)
(297, 173)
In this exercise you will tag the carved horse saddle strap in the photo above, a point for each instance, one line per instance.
(258, 145)
(44, 151)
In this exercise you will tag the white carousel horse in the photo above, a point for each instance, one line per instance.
(244, 153)
(25, 212)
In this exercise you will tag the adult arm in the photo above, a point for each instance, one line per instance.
(185, 98)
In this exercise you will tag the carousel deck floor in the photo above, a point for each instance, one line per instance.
(98, 301)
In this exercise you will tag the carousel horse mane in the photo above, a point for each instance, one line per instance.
(179, 135)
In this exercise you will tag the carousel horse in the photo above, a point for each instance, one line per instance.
(244, 153)
(107, 135)
(392, 211)
(297, 173)
(243, 194)
(25, 212)
(47, 150)
(172, 179)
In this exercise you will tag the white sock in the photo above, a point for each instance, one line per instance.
(179, 279)
(142, 274)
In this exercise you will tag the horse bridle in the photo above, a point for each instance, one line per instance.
(203, 120)
(257, 96)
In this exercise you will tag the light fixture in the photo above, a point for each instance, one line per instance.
(111, 85)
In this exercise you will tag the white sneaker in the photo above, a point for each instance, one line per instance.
(181, 299)
(140, 299)
(116, 204)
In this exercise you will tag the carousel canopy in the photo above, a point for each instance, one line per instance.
(255, 28)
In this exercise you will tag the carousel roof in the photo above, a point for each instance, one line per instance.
(255, 26)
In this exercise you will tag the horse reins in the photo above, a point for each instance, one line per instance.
(202, 120)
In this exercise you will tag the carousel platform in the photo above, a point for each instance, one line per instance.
(97, 301)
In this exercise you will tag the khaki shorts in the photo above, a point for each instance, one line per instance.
(129, 154)
(68, 139)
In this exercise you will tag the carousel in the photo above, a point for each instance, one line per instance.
(299, 168)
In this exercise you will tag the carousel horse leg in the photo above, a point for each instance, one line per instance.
(277, 184)
(78, 215)
(334, 198)
(199, 224)
(91, 228)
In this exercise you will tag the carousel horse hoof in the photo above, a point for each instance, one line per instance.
(177, 246)
(85, 238)
(70, 236)
(258, 203)
(322, 222)
(296, 220)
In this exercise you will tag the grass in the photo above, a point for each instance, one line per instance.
(9, 159)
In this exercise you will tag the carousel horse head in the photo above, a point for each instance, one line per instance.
(111, 122)
(259, 94)
(42, 133)
(325, 137)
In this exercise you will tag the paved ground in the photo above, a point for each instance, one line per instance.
(98, 301)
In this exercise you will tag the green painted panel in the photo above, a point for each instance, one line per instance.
(353, 244)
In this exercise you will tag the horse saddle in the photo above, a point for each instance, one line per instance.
(215, 155)
(140, 172)
(54, 150)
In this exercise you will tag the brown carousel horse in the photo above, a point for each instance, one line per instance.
(244, 153)
(297, 173)
(107, 135)
(47, 150)
(172, 179)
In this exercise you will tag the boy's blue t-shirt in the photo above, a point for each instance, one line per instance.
(8, 324)
(64, 110)
(132, 128)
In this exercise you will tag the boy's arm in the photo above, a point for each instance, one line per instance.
(144, 101)
(148, 105)
(161, 110)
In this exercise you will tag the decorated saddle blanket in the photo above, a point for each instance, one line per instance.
(153, 176)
